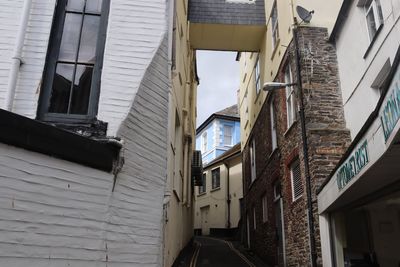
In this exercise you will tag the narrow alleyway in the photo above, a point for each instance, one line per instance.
(213, 252)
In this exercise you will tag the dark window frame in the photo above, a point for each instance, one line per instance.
(215, 178)
(51, 63)
(202, 188)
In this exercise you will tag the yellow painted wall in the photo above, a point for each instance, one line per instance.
(178, 204)
(216, 199)
(325, 14)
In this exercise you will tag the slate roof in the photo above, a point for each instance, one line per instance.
(229, 113)
(227, 12)
(232, 111)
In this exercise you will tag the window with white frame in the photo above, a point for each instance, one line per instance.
(274, 142)
(253, 160)
(254, 218)
(274, 25)
(215, 179)
(295, 175)
(257, 79)
(202, 188)
(228, 132)
(204, 142)
(264, 207)
(291, 103)
(374, 16)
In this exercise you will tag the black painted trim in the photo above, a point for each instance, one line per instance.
(46, 139)
(371, 44)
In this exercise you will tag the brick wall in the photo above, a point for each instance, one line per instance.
(327, 141)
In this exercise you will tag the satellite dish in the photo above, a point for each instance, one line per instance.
(304, 14)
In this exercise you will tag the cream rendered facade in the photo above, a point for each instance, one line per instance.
(178, 200)
(211, 206)
(270, 57)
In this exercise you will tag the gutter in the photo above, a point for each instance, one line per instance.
(16, 59)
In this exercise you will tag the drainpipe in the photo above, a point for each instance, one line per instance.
(16, 59)
(228, 195)
(305, 151)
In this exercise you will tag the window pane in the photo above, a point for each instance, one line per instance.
(93, 6)
(61, 88)
(75, 5)
(87, 48)
(70, 37)
(379, 9)
(81, 91)
(371, 23)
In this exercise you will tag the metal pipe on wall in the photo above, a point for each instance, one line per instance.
(228, 194)
(16, 59)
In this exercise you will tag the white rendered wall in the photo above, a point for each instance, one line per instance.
(53, 212)
(33, 54)
(135, 31)
(57, 213)
(125, 226)
(356, 73)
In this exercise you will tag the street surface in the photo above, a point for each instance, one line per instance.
(218, 253)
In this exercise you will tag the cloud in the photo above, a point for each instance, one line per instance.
(219, 82)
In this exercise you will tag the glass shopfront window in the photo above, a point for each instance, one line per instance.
(368, 235)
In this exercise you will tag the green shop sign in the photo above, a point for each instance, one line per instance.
(355, 163)
(391, 111)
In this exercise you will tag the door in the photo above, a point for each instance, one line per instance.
(205, 229)
(279, 224)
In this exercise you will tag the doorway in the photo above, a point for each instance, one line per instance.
(205, 228)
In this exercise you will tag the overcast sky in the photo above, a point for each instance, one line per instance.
(219, 82)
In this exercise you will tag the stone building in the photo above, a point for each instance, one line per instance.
(94, 100)
(275, 170)
(359, 202)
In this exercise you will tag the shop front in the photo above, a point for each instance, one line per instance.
(359, 206)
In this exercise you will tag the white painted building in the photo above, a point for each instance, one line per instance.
(100, 69)
(359, 204)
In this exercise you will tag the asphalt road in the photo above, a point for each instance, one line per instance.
(219, 253)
